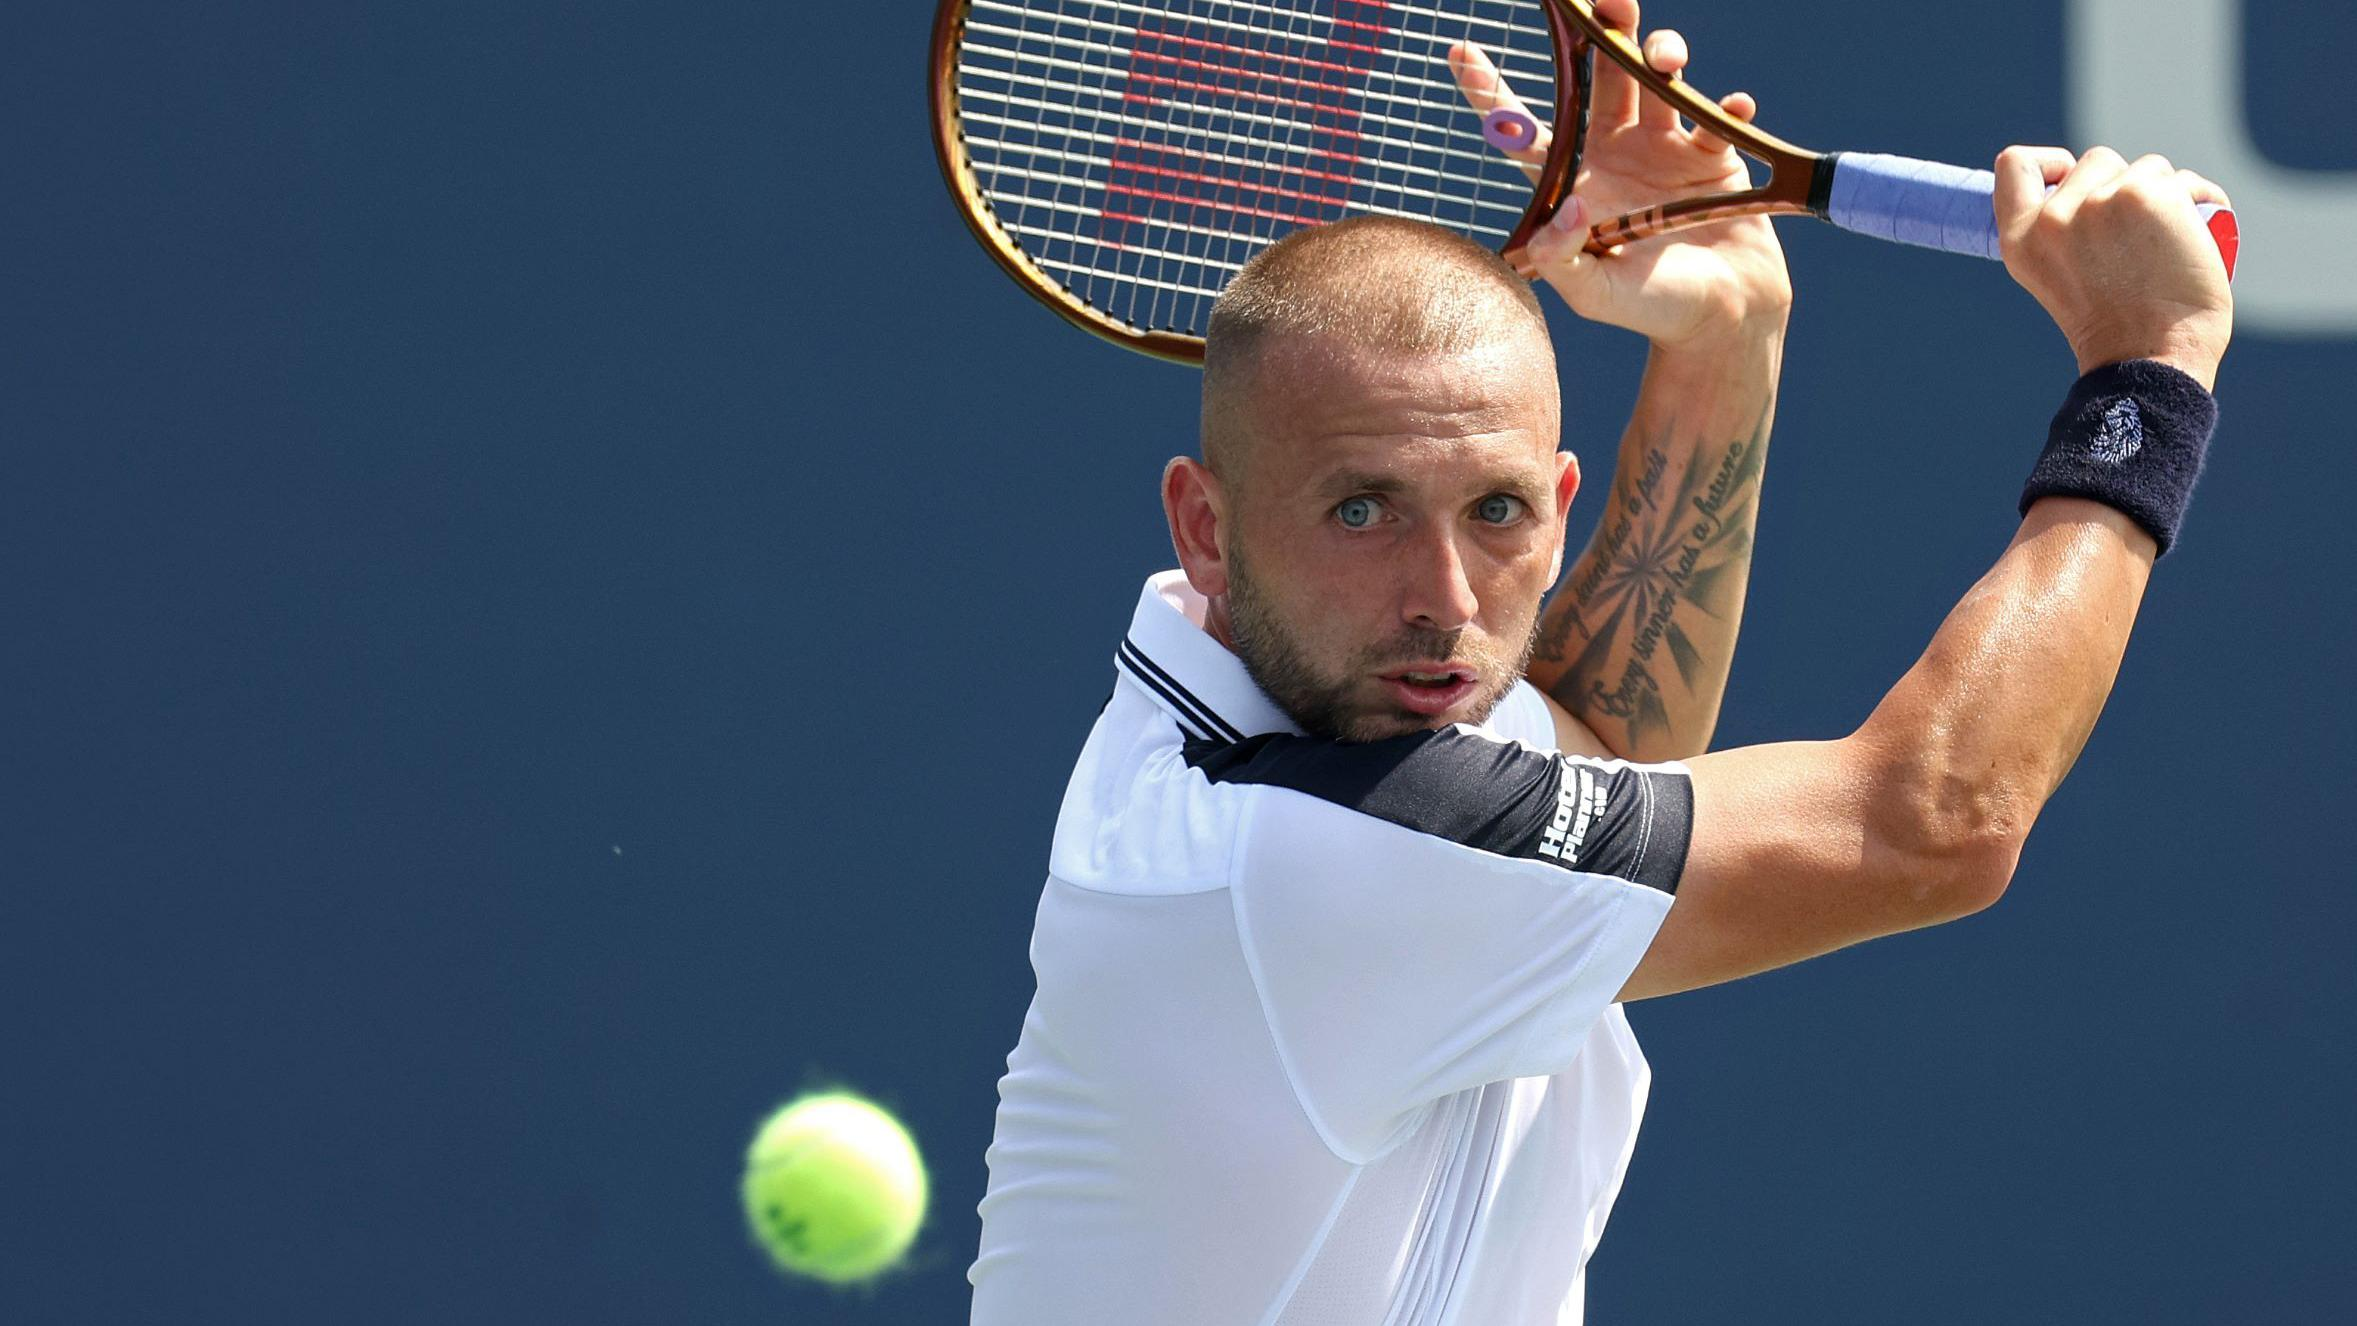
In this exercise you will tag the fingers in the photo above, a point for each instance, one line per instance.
(1618, 100)
(2040, 168)
(2155, 173)
(2049, 205)
(1740, 106)
(1612, 103)
(2154, 167)
(1665, 52)
(1486, 90)
(2023, 176)
(2098, 169)
(2115, 255)
(1558, 249)
(2203, 189)
(2170, 191)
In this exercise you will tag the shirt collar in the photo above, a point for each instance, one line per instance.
(1175, 662)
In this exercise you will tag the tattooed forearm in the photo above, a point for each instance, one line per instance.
(1634, 497)
(1662, 580)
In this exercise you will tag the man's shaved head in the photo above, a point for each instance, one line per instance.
(1371, 285)
(1385, 392)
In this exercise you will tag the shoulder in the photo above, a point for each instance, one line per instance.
(1388, 779)
(1525, 715)
(1136, 819)
(1471, 788)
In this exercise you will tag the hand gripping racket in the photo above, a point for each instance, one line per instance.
(1121, 159)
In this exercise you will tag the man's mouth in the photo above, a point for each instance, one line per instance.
(1430, 689)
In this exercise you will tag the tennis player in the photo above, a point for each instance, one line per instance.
(1341, 906)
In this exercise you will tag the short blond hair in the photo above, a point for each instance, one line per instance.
(1375, 283)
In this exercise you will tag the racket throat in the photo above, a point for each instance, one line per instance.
(1821, 184)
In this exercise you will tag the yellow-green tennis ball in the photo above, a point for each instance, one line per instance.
(834, 1188)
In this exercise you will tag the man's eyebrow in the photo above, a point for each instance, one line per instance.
(1529, 485)
(1361, 481)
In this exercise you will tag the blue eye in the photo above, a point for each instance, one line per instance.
(1357, 512)
(1499, 509)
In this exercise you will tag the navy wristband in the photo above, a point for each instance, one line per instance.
(2132, 436)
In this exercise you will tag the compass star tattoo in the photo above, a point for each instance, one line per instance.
(1665, 550)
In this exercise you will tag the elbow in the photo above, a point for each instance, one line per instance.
(1966, 876)
(1955, 839)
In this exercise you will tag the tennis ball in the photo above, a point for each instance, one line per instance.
(834, 1188)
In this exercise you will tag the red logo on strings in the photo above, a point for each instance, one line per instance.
(1240, 131)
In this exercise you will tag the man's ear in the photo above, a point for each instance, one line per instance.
(1197, 508)
(1567, 486)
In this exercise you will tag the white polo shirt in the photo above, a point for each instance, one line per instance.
(1324, 1032)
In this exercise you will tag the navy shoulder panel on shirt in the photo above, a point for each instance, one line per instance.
(1601, 817)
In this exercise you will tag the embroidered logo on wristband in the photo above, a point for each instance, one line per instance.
(2132, 436)
(2121, 434)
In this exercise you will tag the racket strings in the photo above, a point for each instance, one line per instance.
(1139, 155)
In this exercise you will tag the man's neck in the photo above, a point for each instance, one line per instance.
(1216, 624)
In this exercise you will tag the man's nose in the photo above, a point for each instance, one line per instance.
(1438, 593)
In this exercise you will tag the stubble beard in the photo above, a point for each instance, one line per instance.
(1275, 659)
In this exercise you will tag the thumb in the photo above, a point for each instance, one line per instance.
(2023, 174)
(1558, 250)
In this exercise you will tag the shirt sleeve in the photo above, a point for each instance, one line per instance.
(1431, 913)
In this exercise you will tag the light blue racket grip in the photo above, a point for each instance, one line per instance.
(1942, 207)
(1908, 201)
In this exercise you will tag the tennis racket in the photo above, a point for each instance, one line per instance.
(1121, 159)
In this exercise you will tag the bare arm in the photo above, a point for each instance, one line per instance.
(1637, 641)
(1920, 815)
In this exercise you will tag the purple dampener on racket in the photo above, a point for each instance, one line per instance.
(1509, 130)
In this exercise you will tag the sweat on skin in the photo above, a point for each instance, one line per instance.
(1381, 506)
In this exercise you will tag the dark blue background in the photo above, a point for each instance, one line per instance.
(549, 592)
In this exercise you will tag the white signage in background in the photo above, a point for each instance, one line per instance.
(2167, 76)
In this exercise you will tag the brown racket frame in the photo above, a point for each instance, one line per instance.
(1798, 179)
(949, 24)
(1797, 183)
